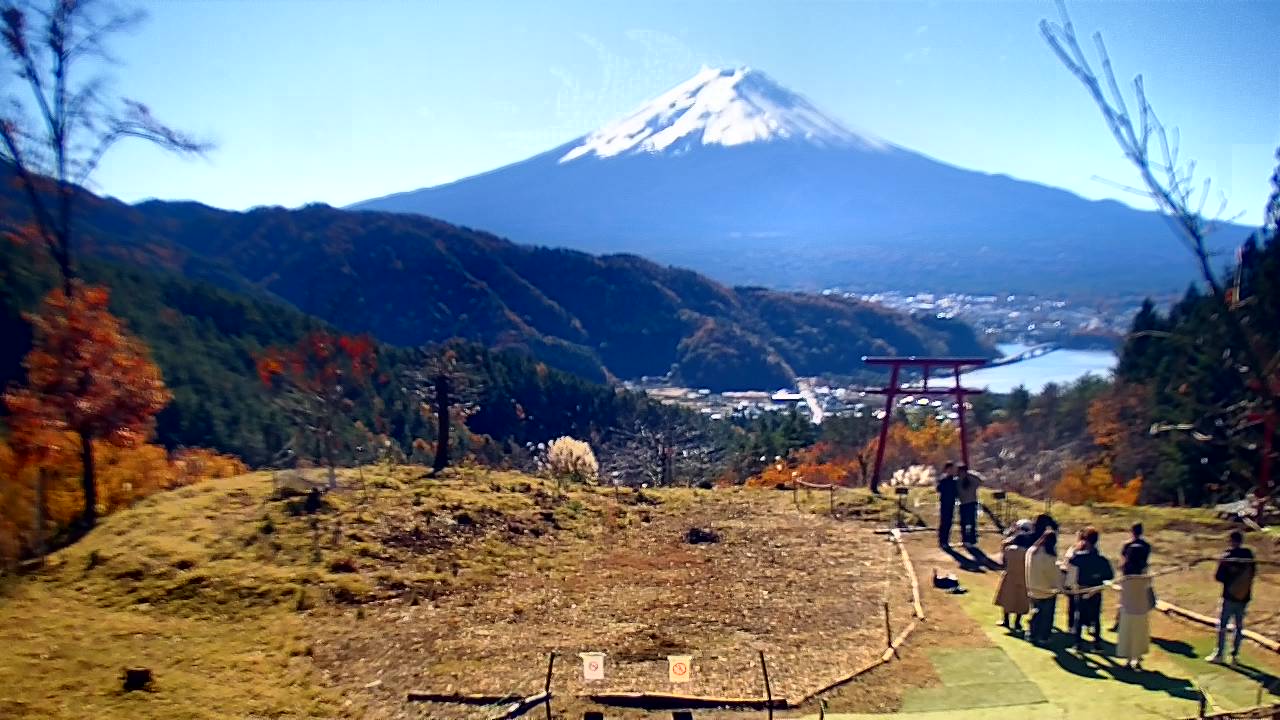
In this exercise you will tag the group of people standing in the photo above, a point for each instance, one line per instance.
(1035, 576)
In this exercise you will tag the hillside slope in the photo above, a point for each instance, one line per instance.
(411, 280)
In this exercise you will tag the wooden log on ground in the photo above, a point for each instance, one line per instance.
(863, 670)
(915, 528)
(1257, 713)
(522, 706)
(897, 642)
(1171, 609)
(458, 698)
(915, 582)
(673, 701)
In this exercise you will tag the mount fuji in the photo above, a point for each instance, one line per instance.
(733, 175)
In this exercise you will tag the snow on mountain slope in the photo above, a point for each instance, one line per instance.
(720, 107)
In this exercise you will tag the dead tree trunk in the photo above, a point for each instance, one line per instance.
(443, 392)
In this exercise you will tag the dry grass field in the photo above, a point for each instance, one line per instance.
(248, 606)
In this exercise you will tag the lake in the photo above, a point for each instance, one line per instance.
(1060, 366)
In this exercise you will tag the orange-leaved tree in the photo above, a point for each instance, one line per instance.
(85, 374)
(927, 442)
(1082, 484)
(317, 383)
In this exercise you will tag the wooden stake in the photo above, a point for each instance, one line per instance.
(546, 687)
(768, 691)
(888, 629)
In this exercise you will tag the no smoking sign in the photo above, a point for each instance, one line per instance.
(679, 667)
(592, 665)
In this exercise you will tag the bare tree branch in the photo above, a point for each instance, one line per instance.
(1170, 184)
(54, 127)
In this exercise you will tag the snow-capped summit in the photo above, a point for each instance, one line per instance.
(719, 107)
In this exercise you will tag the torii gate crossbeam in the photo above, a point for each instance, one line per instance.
(895, 388)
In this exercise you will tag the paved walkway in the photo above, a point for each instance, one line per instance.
(1014, 678)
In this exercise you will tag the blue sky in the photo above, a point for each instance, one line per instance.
(336, 101)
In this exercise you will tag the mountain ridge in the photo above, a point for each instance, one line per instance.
(410, 280)
(807, 215)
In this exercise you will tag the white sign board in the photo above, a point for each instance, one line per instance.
(592, 665)
(679, 667)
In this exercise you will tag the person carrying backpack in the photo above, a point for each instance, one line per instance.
(1236, 570)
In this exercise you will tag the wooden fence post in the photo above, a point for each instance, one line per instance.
(888, 629)
(768, 690)
(546, 687)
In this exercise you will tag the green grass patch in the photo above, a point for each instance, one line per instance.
(972, 695)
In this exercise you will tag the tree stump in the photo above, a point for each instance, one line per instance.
(137, 678)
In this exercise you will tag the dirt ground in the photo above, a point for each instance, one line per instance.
(806, 590)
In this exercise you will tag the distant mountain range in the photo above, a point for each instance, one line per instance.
(411, 280)
(733, 175)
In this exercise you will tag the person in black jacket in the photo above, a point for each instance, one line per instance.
(1135, 557)
(1092, 570)
(1235, 571)
(967, 493)
(948, 487)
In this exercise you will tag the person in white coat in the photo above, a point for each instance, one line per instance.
(1044, 582)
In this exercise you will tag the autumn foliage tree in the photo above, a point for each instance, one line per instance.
(920, 442)
(87, 375)
(318, 382)
(1081, 484)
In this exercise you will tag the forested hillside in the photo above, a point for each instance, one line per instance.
(412, 280)
(205, 340)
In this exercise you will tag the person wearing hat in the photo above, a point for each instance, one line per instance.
(1011, 595)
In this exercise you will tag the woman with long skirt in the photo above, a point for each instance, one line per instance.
(1135, 624)
(1011, 595)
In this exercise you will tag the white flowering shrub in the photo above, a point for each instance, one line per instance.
(914, 476)
(572, 460)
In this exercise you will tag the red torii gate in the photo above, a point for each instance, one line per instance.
(894, 389)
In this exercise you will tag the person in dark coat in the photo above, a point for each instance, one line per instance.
(1235, 571)
(1136, 554)
(1092, 569)
(967, 484)
(947, 490)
